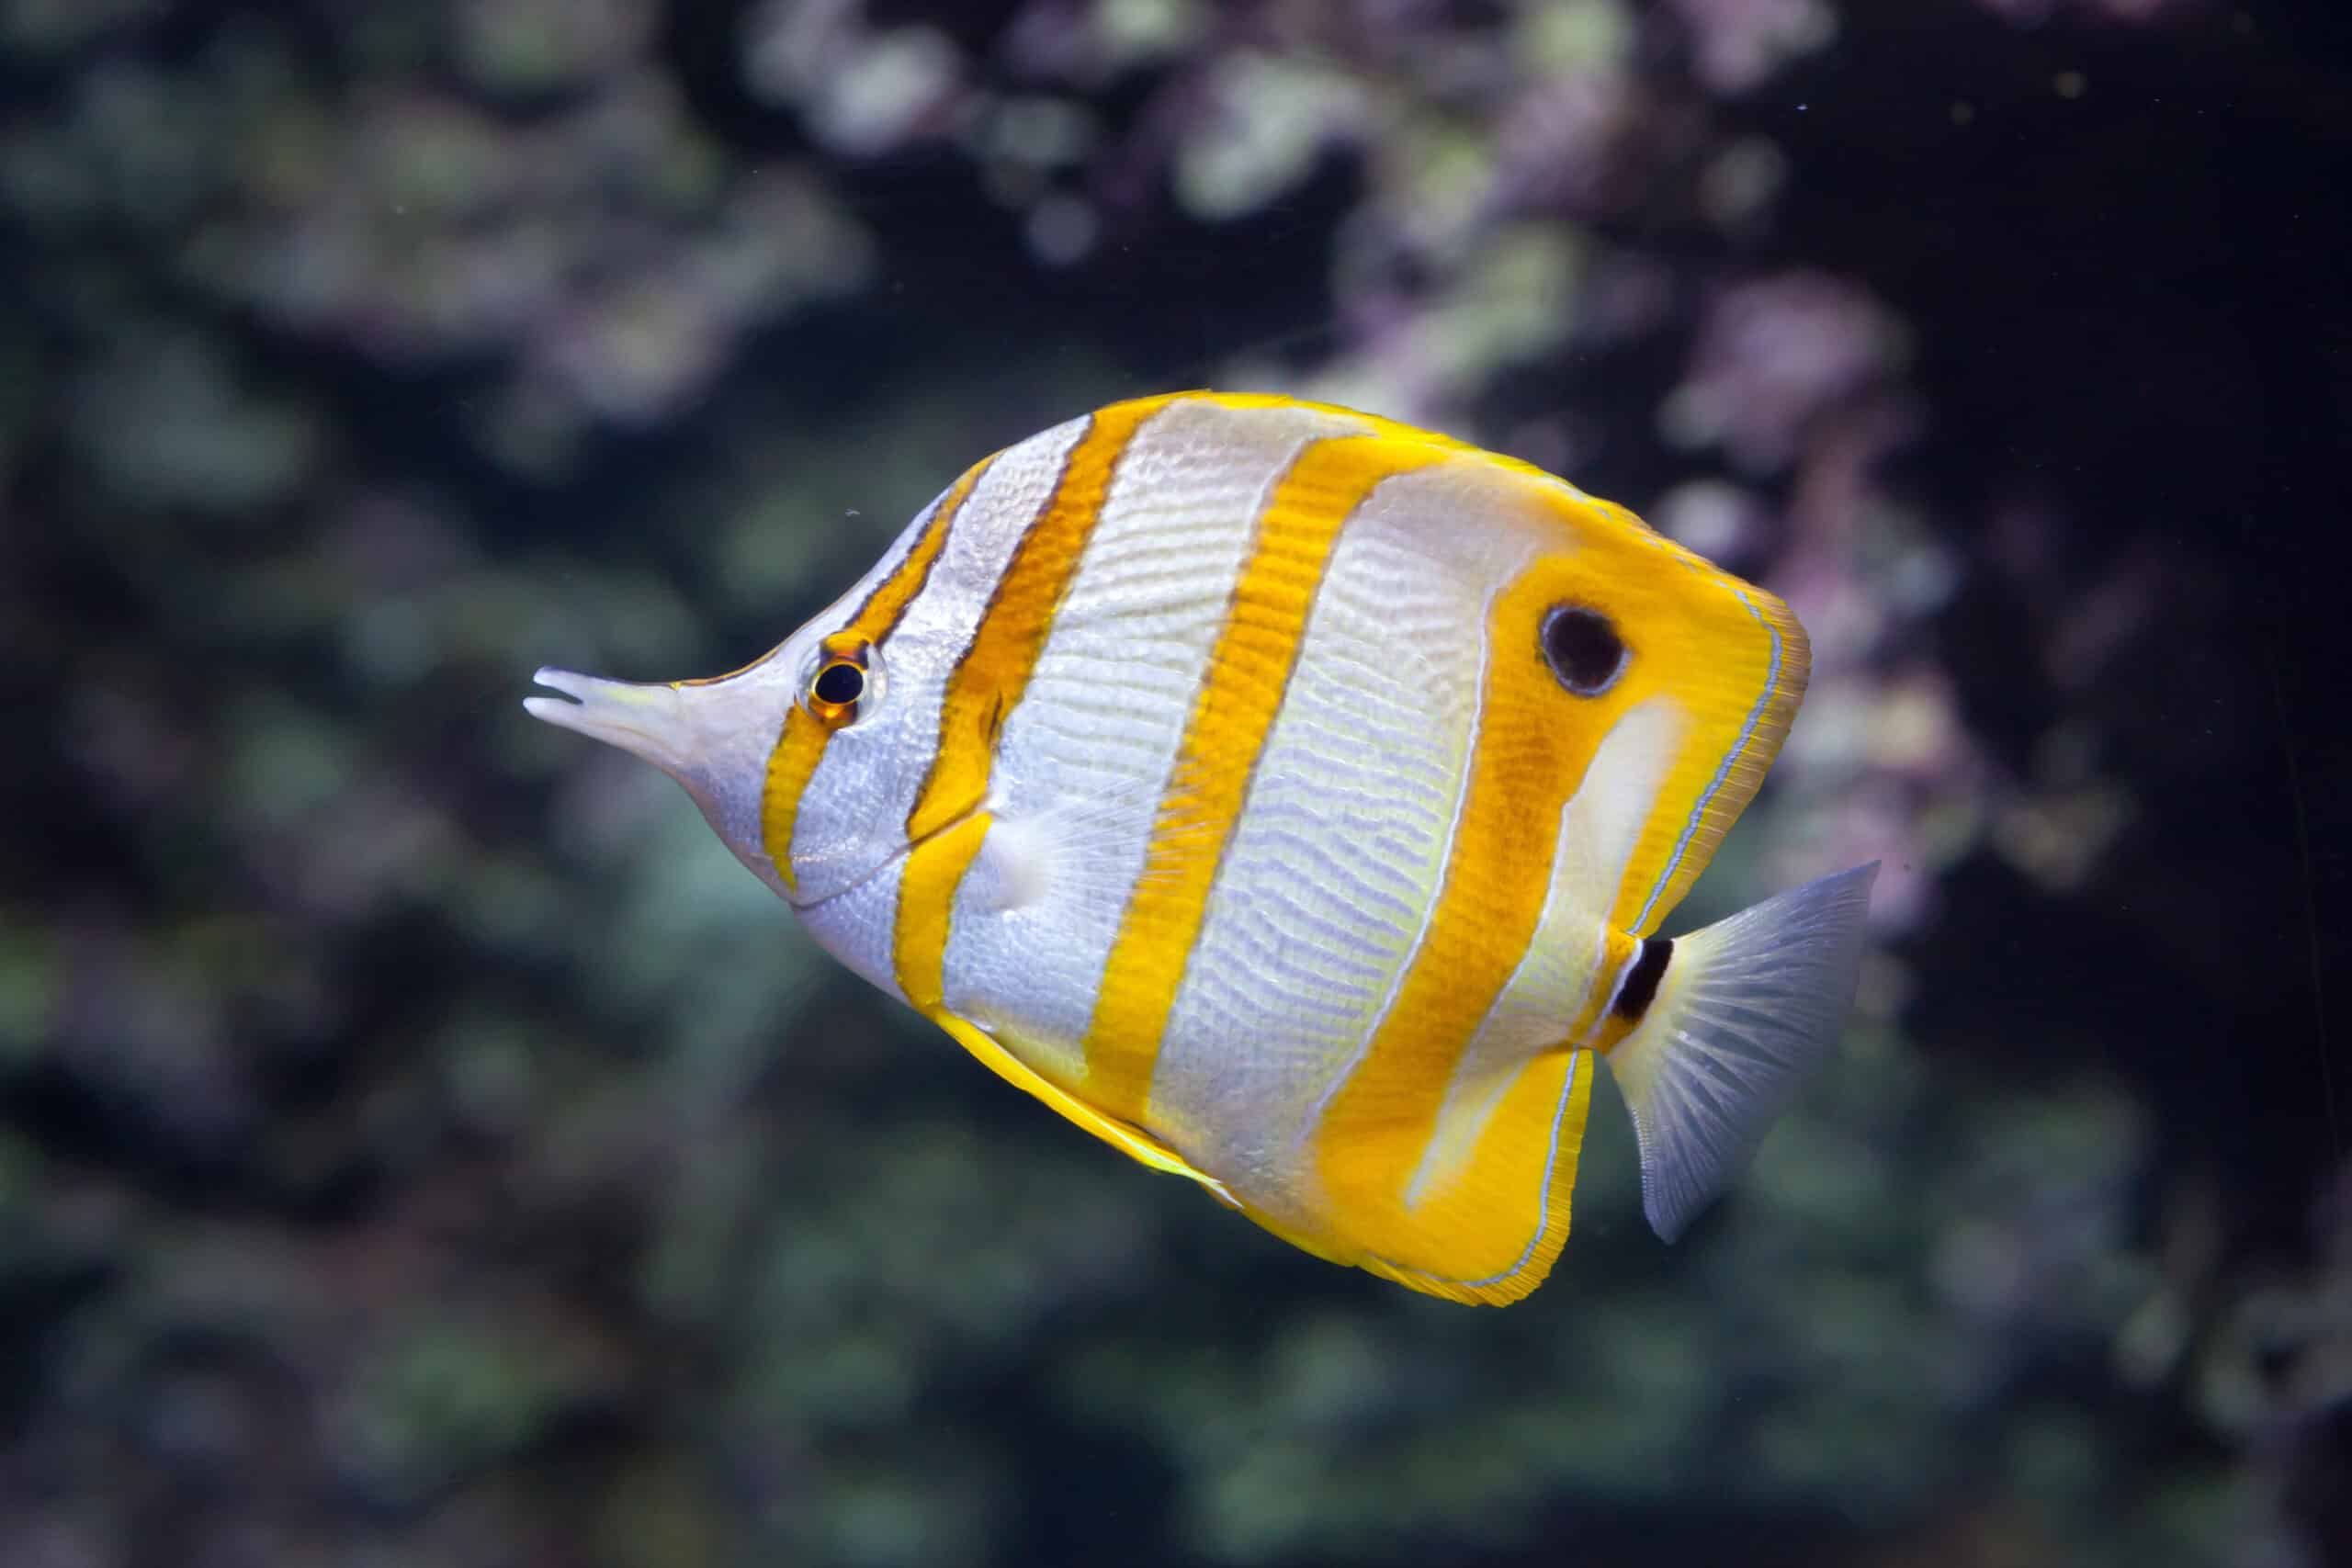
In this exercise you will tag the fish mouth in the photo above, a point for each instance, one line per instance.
(890, 862)
(646, 719)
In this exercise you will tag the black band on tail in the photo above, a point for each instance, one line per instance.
(1634, 997)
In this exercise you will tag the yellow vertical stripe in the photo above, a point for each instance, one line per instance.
(933, 870)
(801, 746)
(987, 684)
(1729, 661)
(1534, 743)
(798, 748)
(1232, 714)
(926, 894)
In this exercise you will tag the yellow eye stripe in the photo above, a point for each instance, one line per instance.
(801, 745)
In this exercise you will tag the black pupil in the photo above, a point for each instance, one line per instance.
(840, 684)
(1583, 649)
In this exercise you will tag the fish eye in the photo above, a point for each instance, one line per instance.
(840, 684)
(1583, 649)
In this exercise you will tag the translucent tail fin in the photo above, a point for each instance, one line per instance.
(1745, 1011)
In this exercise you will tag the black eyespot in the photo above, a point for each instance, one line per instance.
(840, 684)
(1583, 649)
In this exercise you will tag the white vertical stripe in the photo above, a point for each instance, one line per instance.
(1600, 828)
(852, 821)
(857, 925)
(1337, 862)
(1086, 756)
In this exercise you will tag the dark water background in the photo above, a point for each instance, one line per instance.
(420, 1144)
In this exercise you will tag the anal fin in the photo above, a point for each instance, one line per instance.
(1124, 1136)
(1488, 1233)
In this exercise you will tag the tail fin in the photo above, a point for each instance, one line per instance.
(1747, 1010)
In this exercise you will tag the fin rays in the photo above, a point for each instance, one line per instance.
(1748, 1010)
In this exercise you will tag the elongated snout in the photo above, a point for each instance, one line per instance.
(648, 719)
(713, 737)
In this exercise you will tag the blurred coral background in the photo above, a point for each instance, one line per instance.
(420, 1142)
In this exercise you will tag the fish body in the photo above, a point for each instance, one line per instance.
(1292, 797)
